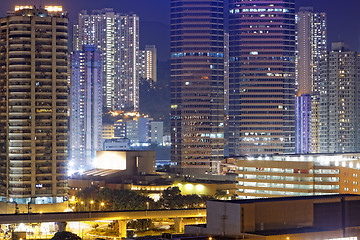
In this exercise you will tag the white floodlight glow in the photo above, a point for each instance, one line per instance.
(17, 7)
(200, 187)
(114, 160)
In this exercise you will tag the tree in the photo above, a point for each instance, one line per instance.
(140, 224)
(171, 198)
(221, 194)
(88, 193)
(65, 236)
(115, 199)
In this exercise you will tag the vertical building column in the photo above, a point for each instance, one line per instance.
(33, 107)
(53, 98)
(179, 225)
(122, 228)
(62, 226)
(7, 115)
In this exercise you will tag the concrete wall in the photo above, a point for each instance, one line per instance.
(233, 218)
(9, 208)
(223, 218)
(300, 236)
(283, 215)
(146, 161)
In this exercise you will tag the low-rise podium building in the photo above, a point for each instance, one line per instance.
(287, 218)
(298, 175)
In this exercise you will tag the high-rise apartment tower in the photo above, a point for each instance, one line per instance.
(33, 105)
(311, 47)
(197, 85)
(340, 101)
(117, 37)
(148, 63)
(262, 77)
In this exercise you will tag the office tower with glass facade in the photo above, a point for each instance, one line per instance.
(261, 77)
(311, 47)
(86, 107)
(197, 85)
(117, 37)
(226, 72)
(340, 101)
(33, 105)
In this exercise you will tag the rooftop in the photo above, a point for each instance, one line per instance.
(29, 11)
(316, 197)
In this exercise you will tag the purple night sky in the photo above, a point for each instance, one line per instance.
(343, 17)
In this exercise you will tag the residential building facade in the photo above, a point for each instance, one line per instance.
(157, 132)
(117, 37)
(311, 48)
(339, 100)
(148, 63)
(33, 105)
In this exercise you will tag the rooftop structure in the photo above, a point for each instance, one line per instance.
(305, 218)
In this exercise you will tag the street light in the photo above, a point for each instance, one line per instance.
(147, 205)
(102, 204)
(91, 203)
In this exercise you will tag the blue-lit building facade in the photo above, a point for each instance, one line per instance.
(197, 85)
(303, 123)
(86, 108)
(261, 77)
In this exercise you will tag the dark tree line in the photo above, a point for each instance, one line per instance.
(106, 199)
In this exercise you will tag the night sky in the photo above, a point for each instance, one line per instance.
(343, 17)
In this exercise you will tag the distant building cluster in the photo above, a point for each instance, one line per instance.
(133, 130)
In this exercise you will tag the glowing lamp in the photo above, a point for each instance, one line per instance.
(54, 8)
(18, 8)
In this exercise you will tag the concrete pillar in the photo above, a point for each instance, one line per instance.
(179, 225)
(37, 230)
(62, 226)
(122, 228)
